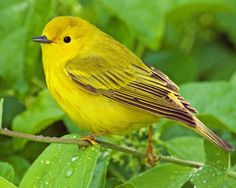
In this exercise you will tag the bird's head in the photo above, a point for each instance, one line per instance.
(64, 37)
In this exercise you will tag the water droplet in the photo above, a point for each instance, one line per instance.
(46, 182)
(47, 162)
(200, 168)
(204, 181)
(105, 154)
(75, 158)
(42, 161)
(69, 172)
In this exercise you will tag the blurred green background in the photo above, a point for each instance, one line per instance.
(192, 41)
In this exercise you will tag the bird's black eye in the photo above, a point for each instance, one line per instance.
(67, 39)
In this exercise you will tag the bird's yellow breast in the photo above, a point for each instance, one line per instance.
(92, 112)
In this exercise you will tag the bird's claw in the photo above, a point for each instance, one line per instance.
(150, 160)
(90, 139)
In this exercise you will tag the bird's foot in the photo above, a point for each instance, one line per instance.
(150, 161)
(91, 138)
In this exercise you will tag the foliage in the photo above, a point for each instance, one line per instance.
(192, 41)
(62, 165)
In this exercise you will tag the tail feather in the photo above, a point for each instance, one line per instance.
(212, 137)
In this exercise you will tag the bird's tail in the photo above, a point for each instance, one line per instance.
(212, 137)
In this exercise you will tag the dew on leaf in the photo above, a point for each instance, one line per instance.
(75, 158)
(69, 172)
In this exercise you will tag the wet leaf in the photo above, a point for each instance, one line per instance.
(61, 165)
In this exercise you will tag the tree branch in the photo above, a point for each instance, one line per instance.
(142, 155)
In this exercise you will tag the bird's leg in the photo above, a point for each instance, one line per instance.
(151, 159)
(149, 152)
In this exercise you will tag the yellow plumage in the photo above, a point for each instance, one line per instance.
(104, 87)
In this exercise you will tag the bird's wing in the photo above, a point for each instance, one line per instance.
(134, 85)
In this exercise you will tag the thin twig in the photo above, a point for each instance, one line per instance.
(77, 141)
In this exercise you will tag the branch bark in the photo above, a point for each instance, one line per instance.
(142, 155)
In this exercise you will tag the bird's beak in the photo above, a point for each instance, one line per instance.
(41, 39)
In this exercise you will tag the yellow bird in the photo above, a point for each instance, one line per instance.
(104, 87)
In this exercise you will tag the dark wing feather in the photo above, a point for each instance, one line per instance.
(136, 86)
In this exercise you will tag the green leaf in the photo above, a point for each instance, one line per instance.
(62, 165)
(233, 79)
(97, 14)
(112, 182)
(215, 99)
(40, 114)
(73, 128)
(100, 172)
(1, 107)
(6, 184)
(170, 130)
(7, 171)
(20, 165)
(173, 63)
(136, 14)
(213, 173)
(186, 147)
(150, 27)
(226, 23)
(12, 107)
(211, 58)
(230, 182)
(161, 176)
(22, 20)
